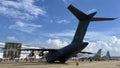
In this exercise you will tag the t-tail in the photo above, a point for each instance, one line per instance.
(84, 20)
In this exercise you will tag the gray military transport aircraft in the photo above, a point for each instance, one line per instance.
(77, 44)
(107, 56)
(97, 56)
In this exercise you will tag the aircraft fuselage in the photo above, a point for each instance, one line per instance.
(65, 53)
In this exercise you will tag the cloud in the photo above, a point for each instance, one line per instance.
(58, 20)
(92, 10)
(103, 40)
(57, 42)
(63, 21)
(23, 9)
(67, 33)
(94, 35)
(112, 44)
(48, 43)
(24, 27)
(11, 38)
(67, 1)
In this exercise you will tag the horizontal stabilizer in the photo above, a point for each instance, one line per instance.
(87, 52)
(82, 16)
(101, 19)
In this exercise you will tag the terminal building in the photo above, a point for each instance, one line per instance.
(11, 50)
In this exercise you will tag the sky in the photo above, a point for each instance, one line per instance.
(49, 24)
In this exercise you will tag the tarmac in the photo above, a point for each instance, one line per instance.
(69, 64)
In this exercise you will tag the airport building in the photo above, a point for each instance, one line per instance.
(8, 50)
(11, 50)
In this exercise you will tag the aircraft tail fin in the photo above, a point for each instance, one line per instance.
(84, 20)
(108, 54)
(98, 54)
(82, 16)
(78, 14)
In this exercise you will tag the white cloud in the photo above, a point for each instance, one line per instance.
(68, 33)
(93, 36)
(67, 1)
(57, 42)
(58, 20)
(11, 3)
(63, 21)
(111, 44)
(23, 9)
(25, 27)
(92, 10)
(11, 38)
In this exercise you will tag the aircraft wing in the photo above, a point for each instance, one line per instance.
(35, 49)
(87, 52)
(83, 53)
(102, 19)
